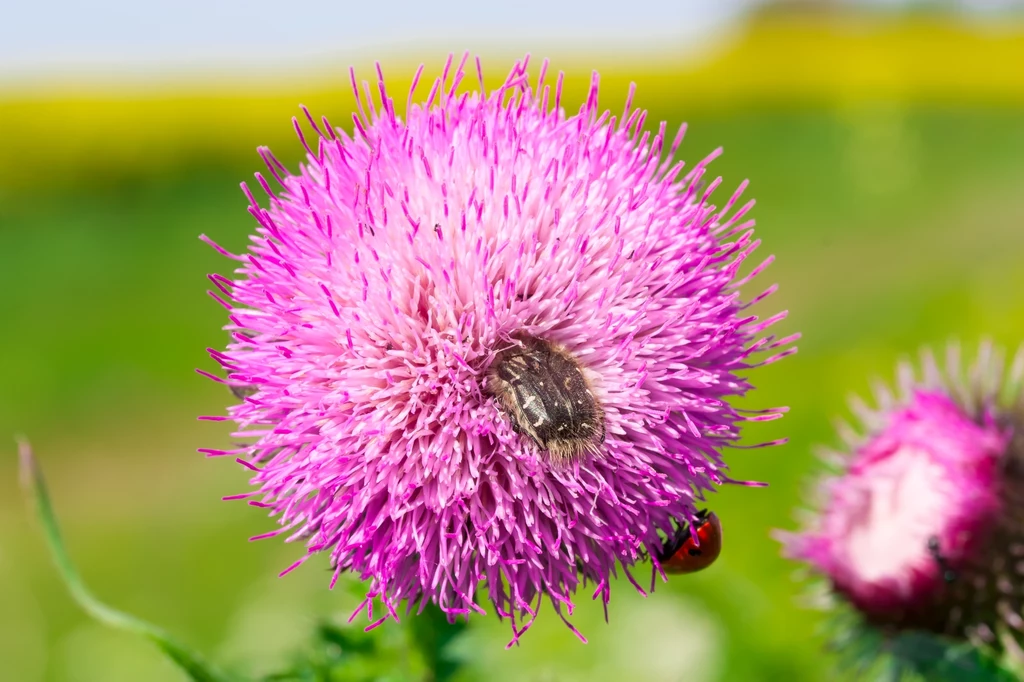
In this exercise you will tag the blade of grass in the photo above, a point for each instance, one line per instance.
(189, 661)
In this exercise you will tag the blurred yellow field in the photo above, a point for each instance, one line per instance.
(57, 131)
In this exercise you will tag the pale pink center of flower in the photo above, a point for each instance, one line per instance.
(896, 506)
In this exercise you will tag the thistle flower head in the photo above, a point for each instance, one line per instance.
(387, 281)
(922, 528)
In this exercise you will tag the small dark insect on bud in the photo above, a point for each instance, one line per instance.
(948, 574)
(543, 390)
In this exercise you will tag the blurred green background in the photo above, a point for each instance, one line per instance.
(886, 152)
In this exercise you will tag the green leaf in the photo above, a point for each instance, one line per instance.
(189, 661)
(345, 641)
(869, 653)
(344, 654)
(938, 660)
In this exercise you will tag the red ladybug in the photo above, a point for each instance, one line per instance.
(682, 555)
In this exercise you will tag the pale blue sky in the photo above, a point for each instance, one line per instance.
(144, 39)
(126, 37)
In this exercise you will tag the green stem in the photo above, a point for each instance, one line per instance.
(433, 635)
(190, 662)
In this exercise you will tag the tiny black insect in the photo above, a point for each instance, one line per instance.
(241, 391)
(542, 388)
(948, 574)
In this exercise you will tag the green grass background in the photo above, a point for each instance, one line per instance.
(897, 220)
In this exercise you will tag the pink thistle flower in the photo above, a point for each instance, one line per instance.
(389, 274)
(922, 528)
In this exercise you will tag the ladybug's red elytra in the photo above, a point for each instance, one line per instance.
(682, 555)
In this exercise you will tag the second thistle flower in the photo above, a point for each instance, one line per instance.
(922, 529)
(489, 342)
